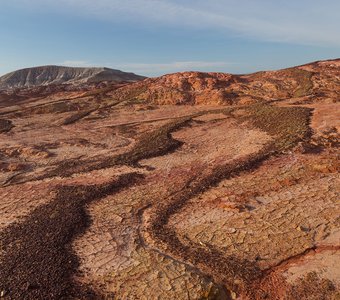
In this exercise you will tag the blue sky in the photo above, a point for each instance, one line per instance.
(154, 37)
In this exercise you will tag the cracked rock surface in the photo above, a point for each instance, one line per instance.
(113, 197)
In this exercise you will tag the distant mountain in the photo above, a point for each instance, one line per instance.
(47, 75)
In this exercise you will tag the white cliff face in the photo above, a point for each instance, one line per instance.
(46, 75)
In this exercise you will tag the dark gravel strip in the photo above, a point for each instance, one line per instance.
(156, 143)
(224, 270)
(5, 125)
(37, 260)
(289, 126)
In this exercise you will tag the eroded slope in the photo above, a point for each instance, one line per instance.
(104, 195)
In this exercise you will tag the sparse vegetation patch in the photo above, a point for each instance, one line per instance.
(5, 125)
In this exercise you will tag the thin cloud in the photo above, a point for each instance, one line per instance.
(179, 66)
(154, 68)
(300, 22)
(75, 63)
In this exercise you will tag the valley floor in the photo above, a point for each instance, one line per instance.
(171, 202)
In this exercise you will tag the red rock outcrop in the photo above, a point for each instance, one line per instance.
(318, 81)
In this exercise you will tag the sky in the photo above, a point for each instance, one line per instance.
(155, 37)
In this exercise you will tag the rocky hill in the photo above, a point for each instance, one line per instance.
(47, 75)
(317, 81)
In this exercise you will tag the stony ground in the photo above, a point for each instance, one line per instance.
(130, 200)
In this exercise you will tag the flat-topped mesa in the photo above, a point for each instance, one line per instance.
(47, 75)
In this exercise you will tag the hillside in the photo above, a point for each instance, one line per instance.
(318, 81)
(187, 186)
(47, 75)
